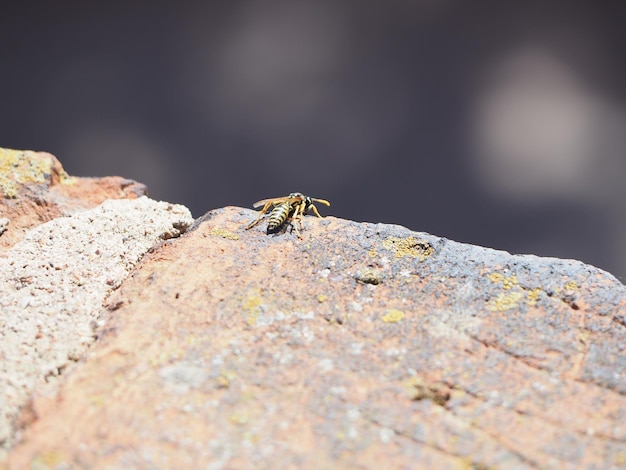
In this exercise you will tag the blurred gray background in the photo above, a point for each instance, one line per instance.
(501, 124)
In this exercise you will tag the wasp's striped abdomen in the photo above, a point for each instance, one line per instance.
(294, 206)
(279, 215)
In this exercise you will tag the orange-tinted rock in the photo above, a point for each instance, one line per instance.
(34, 189)
(360, 346)
(54, 283)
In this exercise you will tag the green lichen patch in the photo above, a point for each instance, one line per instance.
(512, 293)
(218, 232)
(532, 297)
(251, 306)
(393, 316)
(505, 301)
(409, 246)
(507, 281)
(19, 167)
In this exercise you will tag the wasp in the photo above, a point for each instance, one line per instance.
(291, 207)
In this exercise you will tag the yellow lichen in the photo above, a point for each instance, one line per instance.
(251, 306)
(505, 301)
(322, 298)
(225, 378)
(467, 464)
(239, 418)
(372, 253)
(393, 316)
(218, 232)
(571, 285)
(167, 355)
(97, 400)
(507, 282)
(18, 167)
(620, 459)
(533, 296)
(409, 246)
(50, 459)
(250, 437)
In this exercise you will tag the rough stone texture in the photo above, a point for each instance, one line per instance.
(360, 346)
(53, 285)
(35, 189)
(53, 280)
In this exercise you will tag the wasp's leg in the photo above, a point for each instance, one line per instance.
(261, 214)
(297, 218)
(312, 207)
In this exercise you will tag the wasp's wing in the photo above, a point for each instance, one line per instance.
(272, 200)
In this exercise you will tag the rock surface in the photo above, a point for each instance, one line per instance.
(360, 346)
(36, 189)
(55, 279)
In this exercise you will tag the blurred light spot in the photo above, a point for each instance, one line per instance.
(277, 77)
(274, 63)
(536, 128)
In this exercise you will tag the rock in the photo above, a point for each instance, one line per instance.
(36, 189)
(55, 276)
(360, 344)
(54, 283)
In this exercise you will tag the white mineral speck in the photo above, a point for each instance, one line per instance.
(385, 435)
